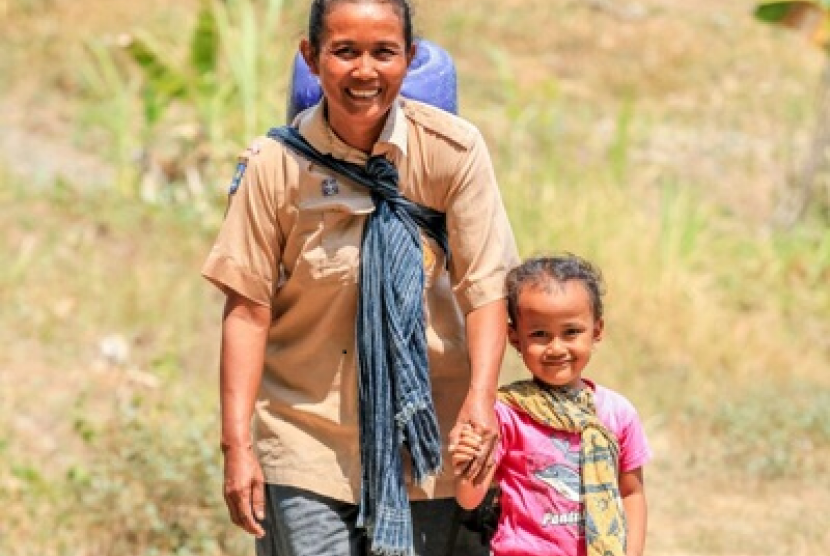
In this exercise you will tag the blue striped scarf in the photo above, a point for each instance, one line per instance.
(395, 397)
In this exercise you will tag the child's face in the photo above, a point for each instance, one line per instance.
(555, 331)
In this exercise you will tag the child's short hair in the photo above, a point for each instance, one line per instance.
(560, 268)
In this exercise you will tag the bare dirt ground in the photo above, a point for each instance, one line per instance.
(37, 148)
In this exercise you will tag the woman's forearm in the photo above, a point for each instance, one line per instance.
(486, 340)
(486, 337)
(244, 334)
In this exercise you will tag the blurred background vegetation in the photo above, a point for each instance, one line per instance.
(659, 138)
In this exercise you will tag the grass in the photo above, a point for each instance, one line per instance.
(85, 427)
(652, 141)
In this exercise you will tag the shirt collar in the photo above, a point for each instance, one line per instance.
(315, 129)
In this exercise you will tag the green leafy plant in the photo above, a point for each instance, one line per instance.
(810, 18)
(193, 84)
(145, 496)
(193, 106)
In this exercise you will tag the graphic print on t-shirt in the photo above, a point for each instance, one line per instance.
(559, 472)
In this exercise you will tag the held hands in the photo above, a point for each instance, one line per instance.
(471, 489)
(473, 440)
(470, 446)
(244, 489)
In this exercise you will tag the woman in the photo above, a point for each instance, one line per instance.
(358, 320)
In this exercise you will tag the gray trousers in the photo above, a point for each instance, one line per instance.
(300, 523)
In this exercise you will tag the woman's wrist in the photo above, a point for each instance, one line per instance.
(235, 444)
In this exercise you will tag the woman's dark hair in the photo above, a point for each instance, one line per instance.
(320, 9)
(544, 272)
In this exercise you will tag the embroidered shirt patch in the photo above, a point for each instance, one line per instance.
(242, 164)
(237, 176)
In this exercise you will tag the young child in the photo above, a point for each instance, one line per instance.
(570, 456)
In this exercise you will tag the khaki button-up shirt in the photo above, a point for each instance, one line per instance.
(291, 241)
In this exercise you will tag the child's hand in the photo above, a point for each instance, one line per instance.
(466, 450)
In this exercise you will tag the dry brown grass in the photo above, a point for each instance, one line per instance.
(710, 311)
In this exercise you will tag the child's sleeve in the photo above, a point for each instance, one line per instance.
(506, 432)
(634, 448)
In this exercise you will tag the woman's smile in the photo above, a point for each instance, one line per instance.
(364, 94)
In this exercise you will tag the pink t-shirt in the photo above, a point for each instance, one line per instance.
(538, 472)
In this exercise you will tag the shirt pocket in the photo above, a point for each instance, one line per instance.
(332, 230)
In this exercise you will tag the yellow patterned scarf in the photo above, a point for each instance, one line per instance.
(573, 410)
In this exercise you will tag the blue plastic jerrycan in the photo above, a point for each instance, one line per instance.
(431, 79)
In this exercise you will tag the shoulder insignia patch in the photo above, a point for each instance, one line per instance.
(242, 164)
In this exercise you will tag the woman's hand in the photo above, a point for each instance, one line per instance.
(476, 417)
(244, 489)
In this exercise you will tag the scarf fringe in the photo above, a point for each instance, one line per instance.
(391, 533)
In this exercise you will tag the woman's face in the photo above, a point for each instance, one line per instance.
(361, 64)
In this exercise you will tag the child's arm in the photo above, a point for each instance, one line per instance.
(469, 493)
(633, 496)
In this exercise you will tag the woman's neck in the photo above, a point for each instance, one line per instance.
(358, 137)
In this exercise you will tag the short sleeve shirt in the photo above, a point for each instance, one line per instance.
(291, 241)
(538, 473)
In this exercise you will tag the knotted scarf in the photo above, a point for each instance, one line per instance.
(573, 410)
(395, 398)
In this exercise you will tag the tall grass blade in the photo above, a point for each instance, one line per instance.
(622, 140)
(204, 48)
